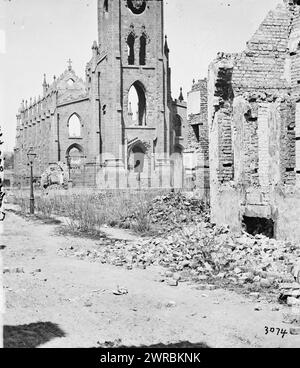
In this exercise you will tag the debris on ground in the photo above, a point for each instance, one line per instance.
(13, 270)
(120, 291)
(191, 248)
(171, 304)
(171, 211)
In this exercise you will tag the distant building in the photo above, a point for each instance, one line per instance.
(197, 144)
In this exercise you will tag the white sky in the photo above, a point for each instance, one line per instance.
(41, 35)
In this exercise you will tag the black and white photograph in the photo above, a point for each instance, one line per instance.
(149, 177)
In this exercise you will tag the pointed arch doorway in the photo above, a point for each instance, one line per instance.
(75, 161)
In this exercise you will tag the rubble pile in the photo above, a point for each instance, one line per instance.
(205, 252)
(171, 211)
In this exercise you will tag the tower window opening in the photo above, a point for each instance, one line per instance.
(105, 6)
(130, 44)
(137, 104)
(143, 42)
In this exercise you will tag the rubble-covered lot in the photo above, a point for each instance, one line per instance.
(187, 255)
(55, 301)
(190, 247)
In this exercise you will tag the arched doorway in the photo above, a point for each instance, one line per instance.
(75, 162)
(137, 164)
(136, 161)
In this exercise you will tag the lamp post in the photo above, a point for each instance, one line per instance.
(31, 155)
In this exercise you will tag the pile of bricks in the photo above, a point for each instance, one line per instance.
(169, 212)
(206, 253)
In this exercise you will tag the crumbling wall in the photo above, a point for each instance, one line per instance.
(254, 120)
(287, 201)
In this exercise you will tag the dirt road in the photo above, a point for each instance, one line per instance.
(64, 302)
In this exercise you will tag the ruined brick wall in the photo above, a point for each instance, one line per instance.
(253, 98)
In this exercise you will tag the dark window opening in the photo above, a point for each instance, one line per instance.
(105, 6)
(227, 165)
(197, 132)
(291, 127)
(290, 169)
(259, 226)
(224, 84)
(177, 126)
(143, 42)
(130, 43)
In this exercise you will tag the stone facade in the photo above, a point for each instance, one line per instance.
(254, 128)
(120, 127)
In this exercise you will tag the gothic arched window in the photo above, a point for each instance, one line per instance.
(137, 104)
(70, 82)
(105, 6)
(130, 44)
(143, 42)
(74, 127)
(177, 126)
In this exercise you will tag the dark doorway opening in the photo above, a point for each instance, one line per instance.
(259, 225)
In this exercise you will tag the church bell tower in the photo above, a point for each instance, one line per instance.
(132, 72)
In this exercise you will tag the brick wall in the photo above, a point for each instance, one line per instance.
(253, 120)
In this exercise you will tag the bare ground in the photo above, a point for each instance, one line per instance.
(70, 303)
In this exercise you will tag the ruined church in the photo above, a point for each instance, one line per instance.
(120, 127)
